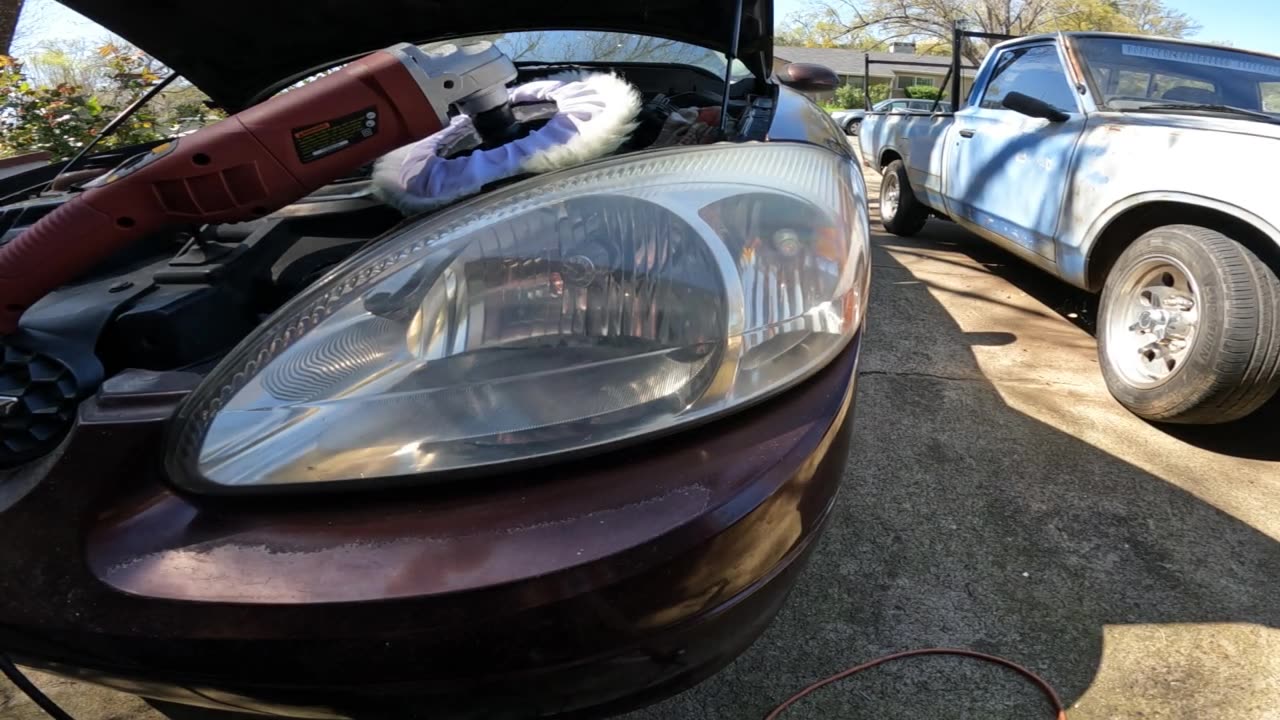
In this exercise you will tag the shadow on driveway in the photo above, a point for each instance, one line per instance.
(1256, 437)
(966, 523)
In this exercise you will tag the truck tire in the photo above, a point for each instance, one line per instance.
(900, 211)
(1189, 328)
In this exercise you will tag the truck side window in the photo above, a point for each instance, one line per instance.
(1034, 71)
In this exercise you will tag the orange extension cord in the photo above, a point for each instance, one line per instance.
(1044, 686)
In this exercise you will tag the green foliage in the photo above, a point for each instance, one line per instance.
(61, 117)
(850, 96)
(924, 92)
(53, 118)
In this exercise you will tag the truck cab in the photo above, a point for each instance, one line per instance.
(1100, 158)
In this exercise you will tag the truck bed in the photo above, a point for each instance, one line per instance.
(917, 138)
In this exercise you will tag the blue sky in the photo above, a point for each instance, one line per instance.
(1244, 23)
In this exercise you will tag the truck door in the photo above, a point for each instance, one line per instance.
(1007, 173)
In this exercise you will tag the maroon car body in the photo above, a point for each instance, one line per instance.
(596, 586)
(578, 588)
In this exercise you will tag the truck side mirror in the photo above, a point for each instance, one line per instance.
(1033, 107)
(808, 77)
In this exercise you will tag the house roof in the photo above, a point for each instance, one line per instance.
(849, 62)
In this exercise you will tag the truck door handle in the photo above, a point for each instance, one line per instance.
(966, 133)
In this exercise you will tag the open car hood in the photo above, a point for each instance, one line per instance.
(237, 50)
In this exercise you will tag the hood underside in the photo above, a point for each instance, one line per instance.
(236, 50)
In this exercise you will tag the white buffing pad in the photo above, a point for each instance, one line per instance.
(596, 112)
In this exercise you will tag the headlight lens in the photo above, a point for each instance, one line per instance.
(577, 310)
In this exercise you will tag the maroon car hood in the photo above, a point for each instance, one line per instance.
(237, 50)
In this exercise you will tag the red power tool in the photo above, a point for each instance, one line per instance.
(257, 161)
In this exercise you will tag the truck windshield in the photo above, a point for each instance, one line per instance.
(1135, 74)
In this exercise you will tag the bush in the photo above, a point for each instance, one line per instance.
(924, 92)
(849, 96)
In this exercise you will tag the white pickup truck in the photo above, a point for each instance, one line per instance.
(1136, 167)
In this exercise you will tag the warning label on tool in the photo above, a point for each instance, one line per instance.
(326, 138)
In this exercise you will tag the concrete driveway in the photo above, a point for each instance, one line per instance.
(998, 499)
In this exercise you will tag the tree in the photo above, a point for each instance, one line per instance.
(933, 20)
(820, 29)
(9, 12)
(1153, 17)
(1091, 16)
(75, 62)
(60, 116)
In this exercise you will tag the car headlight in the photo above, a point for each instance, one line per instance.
(572, 311)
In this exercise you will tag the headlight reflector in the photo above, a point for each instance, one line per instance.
(572, 311)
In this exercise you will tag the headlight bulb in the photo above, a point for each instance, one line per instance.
(787, 242)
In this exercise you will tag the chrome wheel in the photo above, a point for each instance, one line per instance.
(890, 195)
(1152, 320)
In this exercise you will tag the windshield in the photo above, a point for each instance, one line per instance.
(1130, 73)
(583, 46)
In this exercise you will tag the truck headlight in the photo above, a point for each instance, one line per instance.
(569, 312)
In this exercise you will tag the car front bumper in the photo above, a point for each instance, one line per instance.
(578, 589)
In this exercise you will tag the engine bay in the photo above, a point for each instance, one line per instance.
(180, 299)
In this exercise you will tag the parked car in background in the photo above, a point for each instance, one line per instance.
(1136, 167)
(849, 120)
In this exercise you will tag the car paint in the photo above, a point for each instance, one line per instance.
(1048, 191)
(581, 588)
(566, 588)
(797, 119)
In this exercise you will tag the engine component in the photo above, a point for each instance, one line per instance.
(650, 120)
(691, 126)
(38, 397)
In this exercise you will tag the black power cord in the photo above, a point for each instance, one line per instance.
(16, 677)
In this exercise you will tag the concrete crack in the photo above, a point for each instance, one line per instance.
(985, 380)
(908, 373)
(968, 273)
